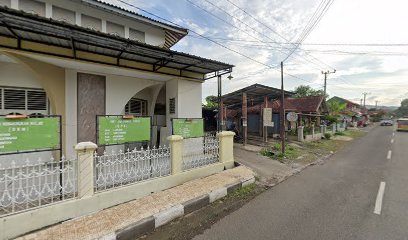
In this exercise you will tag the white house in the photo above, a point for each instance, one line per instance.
(82, 58)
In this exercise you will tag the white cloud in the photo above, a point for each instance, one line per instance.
(347, 21)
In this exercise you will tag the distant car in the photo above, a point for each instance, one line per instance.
(387, 123)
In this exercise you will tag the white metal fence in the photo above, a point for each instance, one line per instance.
(122, 168)
(198, 152)
(36, 184)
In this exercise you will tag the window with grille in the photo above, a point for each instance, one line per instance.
(137, 107)
(172, 106)
(23, 99)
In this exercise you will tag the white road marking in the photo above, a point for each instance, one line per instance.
(392, 140)
(393, 134)
(389, 154)
(378, 201)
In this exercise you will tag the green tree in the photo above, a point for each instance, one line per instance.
(336, 108)
(402, 111)
(211, 102)
(305, 91)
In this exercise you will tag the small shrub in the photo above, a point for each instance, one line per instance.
(267, 152)
(327, 136)
(339, 134)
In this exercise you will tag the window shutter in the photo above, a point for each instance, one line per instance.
(14, 99)
(36, 100)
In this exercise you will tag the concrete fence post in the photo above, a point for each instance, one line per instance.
(313, 132)
(175, 142)
(300, 134)
(334, 128)
(226, 148)
(322, 130)
(85, 152)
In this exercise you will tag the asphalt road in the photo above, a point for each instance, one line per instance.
(336, 200)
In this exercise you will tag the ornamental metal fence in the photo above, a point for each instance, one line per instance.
(123, 168)
(198, 152)
(36, 184)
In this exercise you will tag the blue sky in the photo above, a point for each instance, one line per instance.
(347, 21)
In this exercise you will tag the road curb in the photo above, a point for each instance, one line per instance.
(167, 215)
(232, 187)
(196, 203)
(163, 217)
(135, 230)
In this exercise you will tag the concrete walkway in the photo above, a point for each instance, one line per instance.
(107, 223)
(269, 171)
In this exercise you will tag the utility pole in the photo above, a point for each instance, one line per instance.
(282, 115)
(365, 95)
(325, 79)
(361, 102)
(376, 104)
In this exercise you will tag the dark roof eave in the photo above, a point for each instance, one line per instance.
(12, 13)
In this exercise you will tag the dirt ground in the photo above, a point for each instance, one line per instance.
(188, 226)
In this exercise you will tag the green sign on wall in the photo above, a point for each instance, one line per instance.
(119, 130)
(188, 128)
(29, 134)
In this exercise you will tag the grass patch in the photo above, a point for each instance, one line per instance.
(244, 191)
(275, 152)
(354, 133)
(308, 152)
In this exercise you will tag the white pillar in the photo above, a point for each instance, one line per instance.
(104, 30)
(15, 4)
(127, 32)
(300, 134)
(175, 143)
(85, 152)
(78, 18)
(226, 148)
(48, 10)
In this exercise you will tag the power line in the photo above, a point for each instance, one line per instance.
(294, 44)
(307, 61)
(314, 20)
(314, 44)
(213, 41)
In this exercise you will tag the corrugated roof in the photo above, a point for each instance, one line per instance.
(255, 95)
(310, 104)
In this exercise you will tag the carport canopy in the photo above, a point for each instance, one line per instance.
(255, 95)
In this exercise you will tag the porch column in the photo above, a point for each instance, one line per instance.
(225, 116)
(244, 118)
(221, 116)
(260, 127)
(265, 129)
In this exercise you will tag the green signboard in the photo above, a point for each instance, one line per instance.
(29, 134)
(118, 130)
(188, 128)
